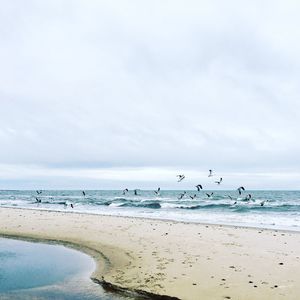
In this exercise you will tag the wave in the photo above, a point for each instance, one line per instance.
(239, 207)
(143, 204)
(220, 203)
(265, 208)
(208, 206)
(104, 203)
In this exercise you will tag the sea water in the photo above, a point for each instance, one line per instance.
(268, 209)
(40, 271)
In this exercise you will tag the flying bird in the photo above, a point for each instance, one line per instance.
(240, 189)
(193, 197)
(199, 187)
(219, 182)
(83, 193)
(262, 203)
(229, 197)
(181, 195)
(157, 192)
(210, 173)
(248, 197)
(180, 177)
(38, 192)
(125, 191)
(209, 195)
(38, 200)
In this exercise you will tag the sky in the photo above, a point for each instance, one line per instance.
(114, 94)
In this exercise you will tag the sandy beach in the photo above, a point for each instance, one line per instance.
(181, 260)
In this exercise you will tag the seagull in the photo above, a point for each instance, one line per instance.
(209, 195)
(210, 173)
(193, 197)
(38, 200)
(181, 195)
(262, 203)
(248, 197)
(83, 193)
(240, 189)
(157, 192)
(229, 197)
(38, 192)
(180, 177)
(219, 182)
(199, 187)
(125, 191)
(235, 202)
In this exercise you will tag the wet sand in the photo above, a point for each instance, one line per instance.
(183, 260)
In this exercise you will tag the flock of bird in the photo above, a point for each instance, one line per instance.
(180, 178)
(199, 187)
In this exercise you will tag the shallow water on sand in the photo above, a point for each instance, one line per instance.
(41, 271)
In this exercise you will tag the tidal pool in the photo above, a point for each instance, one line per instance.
(42, 271)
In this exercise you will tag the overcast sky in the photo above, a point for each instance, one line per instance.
(103, 94)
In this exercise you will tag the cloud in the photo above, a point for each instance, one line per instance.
(136, 84)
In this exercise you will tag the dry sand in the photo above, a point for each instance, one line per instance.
(188, 261)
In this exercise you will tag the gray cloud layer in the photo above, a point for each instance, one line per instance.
(184, 85)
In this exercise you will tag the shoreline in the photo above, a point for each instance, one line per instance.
(153, 219)
(137, 294)
(150, 258)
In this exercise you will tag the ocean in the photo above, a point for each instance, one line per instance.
(266, 209)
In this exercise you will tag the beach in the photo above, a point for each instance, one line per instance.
(175, 259)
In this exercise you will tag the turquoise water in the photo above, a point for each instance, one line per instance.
(280, 209)
(41, 271)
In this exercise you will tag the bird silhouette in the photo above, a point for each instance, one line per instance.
(199, 187)
(180, 177)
